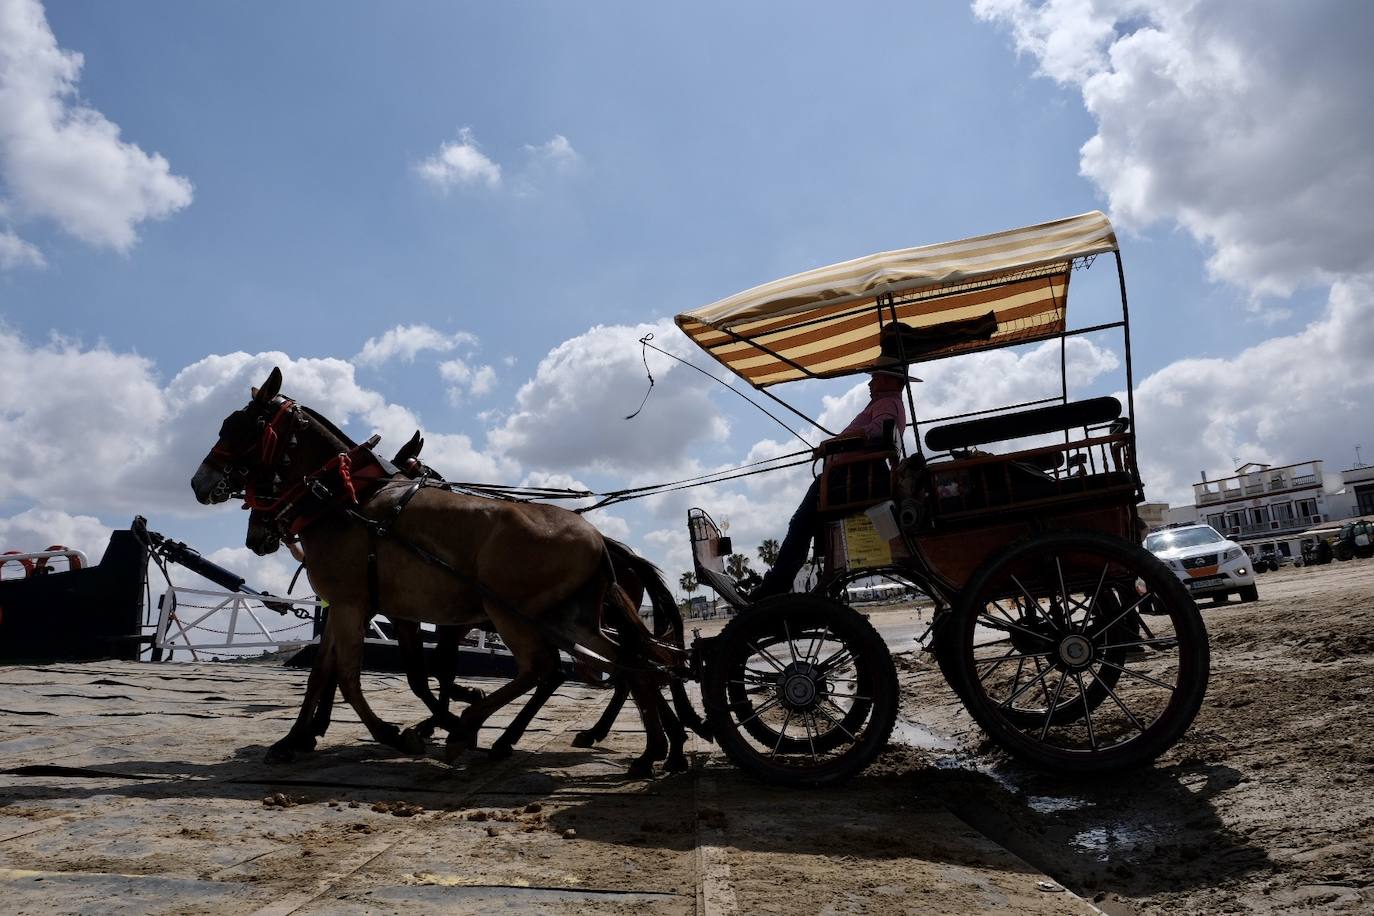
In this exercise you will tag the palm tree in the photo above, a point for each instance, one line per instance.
(768, 552)
(737, 565)
(688, 583)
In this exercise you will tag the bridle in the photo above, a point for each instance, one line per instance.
(253, 472)
(266, 454)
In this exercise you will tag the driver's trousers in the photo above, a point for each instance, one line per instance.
(795, 547)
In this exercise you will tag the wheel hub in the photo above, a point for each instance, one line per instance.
(800, 686)
(1075, 651)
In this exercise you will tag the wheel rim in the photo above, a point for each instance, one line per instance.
(1076, 652)
(801, 694)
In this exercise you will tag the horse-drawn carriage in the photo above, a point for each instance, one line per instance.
(1070, 645)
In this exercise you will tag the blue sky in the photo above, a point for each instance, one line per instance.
(703, 150)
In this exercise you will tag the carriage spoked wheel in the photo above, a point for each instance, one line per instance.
(801, 691)
(1077, 651)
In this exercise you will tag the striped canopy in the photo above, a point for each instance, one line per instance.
(956, 297)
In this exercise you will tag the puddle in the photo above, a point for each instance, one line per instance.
(1053, 804)
(1110, 840)
(913, 734)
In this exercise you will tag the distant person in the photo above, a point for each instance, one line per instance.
(885, 388)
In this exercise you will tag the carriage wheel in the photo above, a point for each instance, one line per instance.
(1079, 652)
(801, 691)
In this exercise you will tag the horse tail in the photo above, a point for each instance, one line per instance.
(667, 616)
(667, 624)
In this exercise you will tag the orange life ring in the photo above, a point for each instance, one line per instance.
(22, 561)
(73, 561)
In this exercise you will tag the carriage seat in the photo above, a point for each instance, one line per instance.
(1025, 423)
(857, 472)
(1023, 479)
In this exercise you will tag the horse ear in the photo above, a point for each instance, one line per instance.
(270, 388)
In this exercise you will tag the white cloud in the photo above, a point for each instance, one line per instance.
(556, 153)
(1246, 123)
(465, 381)
(460, 164)
(62, 160)
(38, 528)
(109, 435)
(406, 341)
(15, 252)
(1291, 398)
(571, 415)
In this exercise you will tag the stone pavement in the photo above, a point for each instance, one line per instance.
(139, 788)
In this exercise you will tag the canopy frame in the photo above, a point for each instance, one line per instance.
(884, 304)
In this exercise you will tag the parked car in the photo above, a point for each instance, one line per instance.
(1207, 563)
(1355, 540)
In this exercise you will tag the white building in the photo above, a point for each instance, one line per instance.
(1263, 502)
(1359, 489)
(1154, 515)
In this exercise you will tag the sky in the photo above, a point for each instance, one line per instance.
(462, 217)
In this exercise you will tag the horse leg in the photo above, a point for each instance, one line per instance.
(536, 657)
(550, 682)
(324, 712)
(647, 699)
(410, 640)
(677, 736)
(598, 732)
(446, 667)
(686, 713)
(318, 686)
(348, 654)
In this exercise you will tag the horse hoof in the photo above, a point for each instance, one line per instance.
(285, 750)
(641, 769)
(499, 751)
(584, 739)
(412, 742)
(676, 763)
(458, 743)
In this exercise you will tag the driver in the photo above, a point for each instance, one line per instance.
(884, 403)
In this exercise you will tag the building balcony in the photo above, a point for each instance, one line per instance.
(1274, 528)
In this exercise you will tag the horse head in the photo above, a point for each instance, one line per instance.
(265, 448)
(229, 463)
(263, 536)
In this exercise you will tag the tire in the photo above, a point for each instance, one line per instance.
(800, 659)
(1158, 688)
(1249, 593)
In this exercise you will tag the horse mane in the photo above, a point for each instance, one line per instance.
(328, 425)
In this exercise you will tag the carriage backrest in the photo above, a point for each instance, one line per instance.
(1053, 419)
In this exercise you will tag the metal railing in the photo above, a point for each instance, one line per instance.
(234, 621)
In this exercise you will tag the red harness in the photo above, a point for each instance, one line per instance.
(349, 477)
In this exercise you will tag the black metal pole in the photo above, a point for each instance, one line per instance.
(906, 381)
(1130, 384)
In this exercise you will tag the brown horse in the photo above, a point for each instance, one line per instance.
(632, 573)
(265, 539)
(541, 575)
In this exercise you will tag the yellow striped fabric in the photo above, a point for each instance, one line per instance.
(825, 322)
